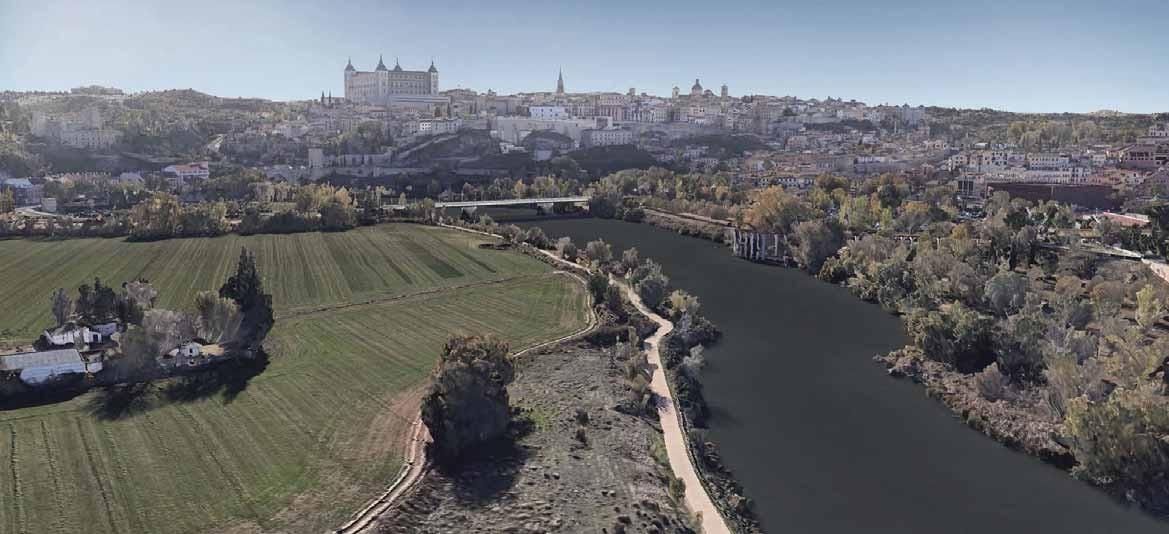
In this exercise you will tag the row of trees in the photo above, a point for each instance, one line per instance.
(99, 303)
(316, 207)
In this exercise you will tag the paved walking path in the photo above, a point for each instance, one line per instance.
(697, 499)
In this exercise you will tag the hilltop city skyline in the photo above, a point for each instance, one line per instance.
(968, 56)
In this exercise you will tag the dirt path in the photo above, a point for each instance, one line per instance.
(699, 502)
(416, 462)
(697, 499)
(416, 466)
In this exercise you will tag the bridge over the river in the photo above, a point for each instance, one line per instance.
(471, 205)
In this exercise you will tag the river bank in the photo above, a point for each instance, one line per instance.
(1018, 416)
(810, 428)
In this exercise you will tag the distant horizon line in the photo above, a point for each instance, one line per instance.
(850, 99)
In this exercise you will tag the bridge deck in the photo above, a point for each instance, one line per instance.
(504, 202)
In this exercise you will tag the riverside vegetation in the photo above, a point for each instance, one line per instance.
(1027, 335)
(682, 350)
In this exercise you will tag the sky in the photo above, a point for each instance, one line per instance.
(1018, 55)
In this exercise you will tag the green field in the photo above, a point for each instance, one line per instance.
(301, 270)
(310, 439)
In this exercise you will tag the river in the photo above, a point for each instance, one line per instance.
(820, 437)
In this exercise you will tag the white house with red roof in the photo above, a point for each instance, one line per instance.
(187, 173)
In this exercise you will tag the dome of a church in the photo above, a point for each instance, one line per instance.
(432, 69)
(349, 66)
(697, 88)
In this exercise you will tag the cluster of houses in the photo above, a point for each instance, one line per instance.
(69, 349)
(1114, 166)
(75, 349)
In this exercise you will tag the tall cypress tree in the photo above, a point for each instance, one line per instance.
(247, 290)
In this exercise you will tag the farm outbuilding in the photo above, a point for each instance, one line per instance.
(38, 367)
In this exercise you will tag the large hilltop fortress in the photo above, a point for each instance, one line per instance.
(384, 86)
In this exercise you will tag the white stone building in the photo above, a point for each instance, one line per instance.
(385, 87)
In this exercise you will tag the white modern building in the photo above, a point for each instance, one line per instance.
(439, 126)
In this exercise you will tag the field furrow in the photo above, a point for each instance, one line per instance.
(312, 437)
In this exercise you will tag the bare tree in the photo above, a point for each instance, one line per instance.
(62, 306)
(218, 318)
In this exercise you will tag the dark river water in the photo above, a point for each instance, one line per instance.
(820, 437)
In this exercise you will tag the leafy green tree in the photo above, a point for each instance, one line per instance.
(535, 236)
(1021, 344)
(776, 210)
(956, 335)
(467, 402)
(105, 303)
(567, 248)
(652, 289)
(599, 252)
(817, 240)
(1006, 292)
(598, 287)
(83, 306)
(1123, 441)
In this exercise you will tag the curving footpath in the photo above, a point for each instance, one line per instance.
(417, 464)
(697, 499)
(677, 447)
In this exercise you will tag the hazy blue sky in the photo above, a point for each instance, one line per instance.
(1021, 55)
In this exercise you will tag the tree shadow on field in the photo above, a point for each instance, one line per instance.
(111, 403)
(227, 379)
(489, 471)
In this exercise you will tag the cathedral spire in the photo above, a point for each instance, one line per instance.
(381, 65)
(560, 83)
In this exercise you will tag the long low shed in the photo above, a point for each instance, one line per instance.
(37, 367)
